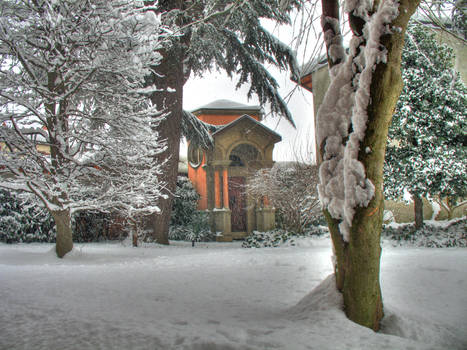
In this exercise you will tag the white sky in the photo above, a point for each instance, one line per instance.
(217, 85)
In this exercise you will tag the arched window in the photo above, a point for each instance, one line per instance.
(195, 156)
(243, 154)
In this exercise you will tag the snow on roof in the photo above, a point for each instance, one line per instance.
(252, 120)
(227, 104)
(313, 65)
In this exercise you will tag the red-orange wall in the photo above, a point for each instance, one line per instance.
(221, 119)
(197, 177)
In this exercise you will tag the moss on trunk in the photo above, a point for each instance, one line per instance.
(358, 261)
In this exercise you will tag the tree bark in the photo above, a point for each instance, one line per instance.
(418, 207)
(64, 241)
(170, 78)
(357, 262)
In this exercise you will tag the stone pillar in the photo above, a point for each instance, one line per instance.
(265, 219)
(223, 225)
(217, 190)
(226, 188)
(222, 217)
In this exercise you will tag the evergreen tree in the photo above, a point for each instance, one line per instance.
(426, 151)
(225, 35)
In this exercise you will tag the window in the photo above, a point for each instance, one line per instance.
(243, 154)
(195, 156)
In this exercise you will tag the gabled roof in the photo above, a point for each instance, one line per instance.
(227, 106)
(254, 124)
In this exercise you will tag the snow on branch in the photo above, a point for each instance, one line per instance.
(197, 131)
(77, 126)
(342, 119)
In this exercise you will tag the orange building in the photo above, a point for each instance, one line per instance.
(242, 145)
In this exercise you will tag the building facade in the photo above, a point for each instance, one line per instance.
(242, 146)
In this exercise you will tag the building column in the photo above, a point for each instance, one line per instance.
(226, 188)
(265, 201)
(217, 190)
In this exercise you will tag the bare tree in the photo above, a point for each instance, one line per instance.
(291, 189)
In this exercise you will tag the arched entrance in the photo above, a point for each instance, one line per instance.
(241, 156)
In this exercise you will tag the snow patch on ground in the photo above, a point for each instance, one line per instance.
(221, 296)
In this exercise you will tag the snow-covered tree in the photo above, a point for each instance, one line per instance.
(352, 130)
(74, 110)
(426, 151)
(215, 34)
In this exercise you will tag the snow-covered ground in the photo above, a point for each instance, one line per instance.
(222, 296)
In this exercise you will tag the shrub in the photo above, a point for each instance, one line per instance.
(432, 236)
(187, 223)
(23, 220)
(91, 226)
(291, 189)
(279, 237)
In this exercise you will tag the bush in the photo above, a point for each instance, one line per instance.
(441, 235)
(23, 220)
(90, 226)
(187, 223)
(197, 229)
(274, 238)
(279, 237)
(432, 236)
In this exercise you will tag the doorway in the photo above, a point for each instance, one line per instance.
(237, 203)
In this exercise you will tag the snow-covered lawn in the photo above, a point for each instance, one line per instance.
(221, 296)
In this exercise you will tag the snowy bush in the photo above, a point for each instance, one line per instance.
(197, 229)
(452, 234)
(291, 190)
(91, 226)
(23, 220)
(187, 223)
(438, 235)
(280, 237)
(273, 238)
(185, 202)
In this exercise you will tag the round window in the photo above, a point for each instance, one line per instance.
(195, 156)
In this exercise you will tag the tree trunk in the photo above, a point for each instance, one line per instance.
(64, 241)
(170, 78)
(418, 207)
(357, 262)
(171, 71)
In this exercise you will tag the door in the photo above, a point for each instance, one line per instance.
(237, 203)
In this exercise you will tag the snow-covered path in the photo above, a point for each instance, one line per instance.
(220, 296)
